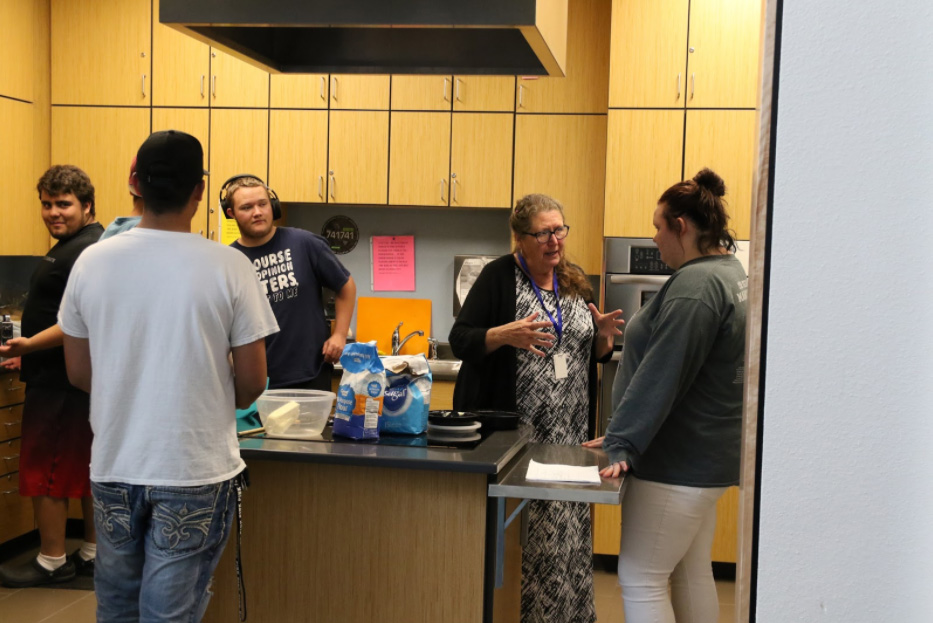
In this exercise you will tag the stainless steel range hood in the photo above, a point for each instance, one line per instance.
(493, 37)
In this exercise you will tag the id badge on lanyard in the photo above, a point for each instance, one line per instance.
(561, 363)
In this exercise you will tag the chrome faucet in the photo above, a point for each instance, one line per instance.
(396, 344)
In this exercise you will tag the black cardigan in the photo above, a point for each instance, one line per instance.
(487, 381)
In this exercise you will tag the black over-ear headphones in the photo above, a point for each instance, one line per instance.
(273, 198)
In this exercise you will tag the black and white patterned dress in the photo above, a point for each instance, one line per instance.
(557, 562)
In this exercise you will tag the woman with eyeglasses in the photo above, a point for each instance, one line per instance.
(677, 410)
(529, 337)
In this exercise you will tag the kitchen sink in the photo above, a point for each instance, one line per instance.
(444, 369)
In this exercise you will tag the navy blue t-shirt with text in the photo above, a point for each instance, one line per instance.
(292, 267)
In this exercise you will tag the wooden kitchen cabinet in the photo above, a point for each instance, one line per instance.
(419, 158)
(237, 84)
(726, 141)
(239, 145)
(102, 142)
(196, 122)
(21, 228)
(358, 157)
(16, 516)
(181, 67)
(585, 87)
(101, 52)
(564, 156)
(304, 91)
(355, 92)
(644, 157)
(481, 160)
(298, 155)
(649, 43)
(422, 92)
(19, 68)
(484, 93)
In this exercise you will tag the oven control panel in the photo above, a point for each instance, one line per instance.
(647, 261)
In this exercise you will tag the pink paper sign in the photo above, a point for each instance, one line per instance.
(393, 263)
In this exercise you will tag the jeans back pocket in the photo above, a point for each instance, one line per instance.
(183, 517)
(112, 513)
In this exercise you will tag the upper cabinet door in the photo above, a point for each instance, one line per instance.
(298, 155)
(359, 157)
(419, 159)
(18, 24)
(196, 122)
(422, 92)
(181, 67)
(236, 83)
(722, 61)
(484, 93)
(301, 91)
(239, 145)
(353, 92)
(726, 142)
(649, 44)
(481, 160)
(585, 87)
(21, 228)
(101, 52)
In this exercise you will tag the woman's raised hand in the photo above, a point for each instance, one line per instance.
(608, 327)
(525, 334)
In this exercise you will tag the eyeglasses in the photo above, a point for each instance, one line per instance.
(543, 236)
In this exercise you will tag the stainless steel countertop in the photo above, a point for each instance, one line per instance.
(441, 369)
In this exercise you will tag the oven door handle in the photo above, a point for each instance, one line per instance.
(638, 279)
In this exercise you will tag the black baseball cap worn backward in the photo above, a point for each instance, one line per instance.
(168, 161)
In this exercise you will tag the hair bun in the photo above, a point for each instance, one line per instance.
(709, 180)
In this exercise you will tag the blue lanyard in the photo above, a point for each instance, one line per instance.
(559, 323)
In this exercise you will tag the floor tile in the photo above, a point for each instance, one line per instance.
(6, 592)
(609, 601)
(32, 605)
(82, 611)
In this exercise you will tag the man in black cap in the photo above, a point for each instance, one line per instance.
(165, 464)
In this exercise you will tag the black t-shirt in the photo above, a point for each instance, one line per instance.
(292, 267)
(46, 368)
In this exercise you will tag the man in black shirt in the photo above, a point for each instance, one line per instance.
(55, 448)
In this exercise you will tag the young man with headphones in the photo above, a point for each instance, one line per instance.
(292, 265)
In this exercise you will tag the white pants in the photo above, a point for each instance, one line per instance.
(667, 534)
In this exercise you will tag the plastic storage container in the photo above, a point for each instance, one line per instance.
(314, 407)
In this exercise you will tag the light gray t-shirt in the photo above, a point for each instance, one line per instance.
(677, 395)
(161, 311)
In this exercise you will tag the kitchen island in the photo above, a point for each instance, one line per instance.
(357, 532)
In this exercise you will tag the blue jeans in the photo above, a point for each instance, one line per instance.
(157, 548)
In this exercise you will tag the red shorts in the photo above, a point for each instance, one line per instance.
(55, 449)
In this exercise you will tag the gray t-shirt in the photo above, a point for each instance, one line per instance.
(677, 395)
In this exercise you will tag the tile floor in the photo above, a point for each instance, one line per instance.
(46, 605)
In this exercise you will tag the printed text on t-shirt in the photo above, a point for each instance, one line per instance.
(276, 273)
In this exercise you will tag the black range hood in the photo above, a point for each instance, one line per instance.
(491, 37)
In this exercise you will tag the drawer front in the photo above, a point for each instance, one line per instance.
(11, 421)
(9, 456)
(16, 517)
(12, 391)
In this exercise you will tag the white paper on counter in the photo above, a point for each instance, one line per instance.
(545, 472)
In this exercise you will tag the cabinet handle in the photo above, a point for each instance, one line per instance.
(333, 88)
(323, 82)
(200, 232)
(693, 84)
(678, 86)
(453, 185)
(202, 86)
(11, 457)
(320, 186)
(446, 97)
(13, 389)
(10, 491)
(212, 235)
(214, 85)
(144, 85)
(333, 186)
(521, 95)
(10, 424)
(443, 185)
(457, 89)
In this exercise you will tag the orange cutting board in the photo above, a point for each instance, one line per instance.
(377, 317)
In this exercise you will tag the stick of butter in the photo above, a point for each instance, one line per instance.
(279, 420)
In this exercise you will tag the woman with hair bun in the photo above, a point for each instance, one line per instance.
(529, 337)
(677, 409)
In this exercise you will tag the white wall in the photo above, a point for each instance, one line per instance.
(846, 517)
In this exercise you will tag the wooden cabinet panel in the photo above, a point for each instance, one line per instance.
(481, 160)
(9, 456)
(18, 68)
(442, 395)
(16, 516)
(358, 156)
(181, 67)
(726, 142)
(12, 390)
(585, 87)
(354, 92)
(723, 63)
(11, 422)
(648, 49)
(102, 142)
(421, 92)
(237, 84)
(239, 145)
(484, 93)
(195, 122)
(298, 90)
(21, 228)
(564, 156)
(645, 151)
(101, 52)
(419, 159)
(298, 155)
(607, 532)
